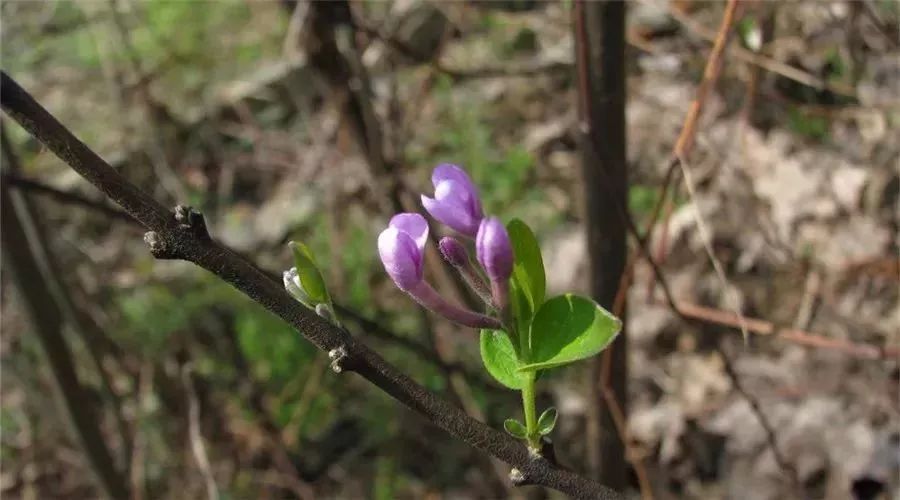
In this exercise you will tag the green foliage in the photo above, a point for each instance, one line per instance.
(308, 272)
(836, 67)
(500, 359)
(528, 270)
(153, 312)
(357, 254)
(814, 127)
(568, 328)
(274, 349)
(642, 199)
(384, 479)
(547, 421)
(515, 428)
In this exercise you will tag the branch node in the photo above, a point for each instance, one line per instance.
(337, 355)
(517, 478)
(190, 220)
(158, 247)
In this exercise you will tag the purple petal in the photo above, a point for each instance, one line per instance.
(414, 225)
(494, 250)
(453, 192)
(451, 213)
(401, 257)
(449, 172)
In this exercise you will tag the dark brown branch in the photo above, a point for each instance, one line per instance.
(181, 238)
(39, 188)
(600, 55)
(369, 327)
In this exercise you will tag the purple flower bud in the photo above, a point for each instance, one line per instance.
(494, 250)
(402, 249)
(453, 251)
(456, 202)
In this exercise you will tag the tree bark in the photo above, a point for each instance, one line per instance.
(600, 56)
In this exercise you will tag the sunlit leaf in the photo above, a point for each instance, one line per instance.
(499, 357)
(568, 328)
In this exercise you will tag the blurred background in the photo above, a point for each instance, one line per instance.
(316, 122)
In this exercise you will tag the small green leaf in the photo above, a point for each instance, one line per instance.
(499, 357)
(568, 328)
(521, 307)
(515, 428)
(309, 274)
(528, 269)
(547, 421)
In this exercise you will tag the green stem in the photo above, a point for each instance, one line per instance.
(528, 406)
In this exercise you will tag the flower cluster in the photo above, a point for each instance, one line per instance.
(516, 343)
(455, 204)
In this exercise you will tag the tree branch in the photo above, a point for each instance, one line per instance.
(26, 184)
(184, 237)
(600, 54)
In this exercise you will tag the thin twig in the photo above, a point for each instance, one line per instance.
(706, 238)
(144, 390)
(794, 335)
(682, 152)
(769, 430)
(683, 146)
(710, 75)
(197, 446)
(767, 63)
(19, 182)
(184, 236)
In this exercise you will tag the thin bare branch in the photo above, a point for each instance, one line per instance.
(767, 63)
(184, 236)
(198, 448)
(25, 184)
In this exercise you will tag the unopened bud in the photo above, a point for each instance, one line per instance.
(453, 251)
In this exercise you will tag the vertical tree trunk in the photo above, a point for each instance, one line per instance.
(600, 56)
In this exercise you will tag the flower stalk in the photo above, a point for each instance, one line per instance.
(456, 255)
(530, 410)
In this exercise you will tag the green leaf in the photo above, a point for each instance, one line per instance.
(568, 328)
(528, 269)
(499, 357)
(309, 274)
(547, 421)
(515, 428)
(522, 309)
